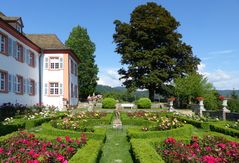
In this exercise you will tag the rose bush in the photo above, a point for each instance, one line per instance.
(164, 123)
(210, 149)
(24, 147)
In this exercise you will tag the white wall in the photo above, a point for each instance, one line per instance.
(52, 76)
(10, 64)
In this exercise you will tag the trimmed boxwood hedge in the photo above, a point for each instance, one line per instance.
(90, 153)
(136, 132)
(6, 129)
(143, 152)
(220, 127)
(21, 124)
(47, 129)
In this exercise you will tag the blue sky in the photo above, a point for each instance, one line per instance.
(210, 27)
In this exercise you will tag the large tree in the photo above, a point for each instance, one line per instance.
(151, 49)
(79, 41)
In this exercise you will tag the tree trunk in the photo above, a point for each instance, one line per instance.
(151, 94)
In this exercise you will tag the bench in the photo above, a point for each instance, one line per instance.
(131, 106)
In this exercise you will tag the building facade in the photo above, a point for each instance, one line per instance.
(35, 68)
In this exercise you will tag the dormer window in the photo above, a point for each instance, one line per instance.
(18, 28)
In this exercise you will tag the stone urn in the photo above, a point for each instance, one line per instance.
(171, 109)
(201, 105)
(224, 109)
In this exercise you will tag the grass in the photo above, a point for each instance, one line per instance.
(116, 148)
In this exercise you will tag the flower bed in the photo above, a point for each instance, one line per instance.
(164, 123)
(83, 121)
(209, 149)
(234, 125)
(136, 132)
(24, 147)
(150, 116)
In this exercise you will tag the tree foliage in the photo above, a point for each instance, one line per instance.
(189, 87)
(79, 41)
(152, 49)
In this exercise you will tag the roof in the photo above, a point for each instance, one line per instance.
(46, 41)
(50, 43)
(10, 18)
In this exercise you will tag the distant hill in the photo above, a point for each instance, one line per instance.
(227, 92)
(102, 89)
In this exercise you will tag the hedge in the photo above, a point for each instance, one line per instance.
(102, 121)
(6, 129)
(143, 152)
(222, 129)
(24, 124)
(136, 132)
(90, 153)
(98, 134)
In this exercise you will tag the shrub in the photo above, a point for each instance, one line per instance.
(108, 103)
(144, 103)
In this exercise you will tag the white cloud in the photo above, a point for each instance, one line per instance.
(110, 77)
(221, 52)
(220, 79)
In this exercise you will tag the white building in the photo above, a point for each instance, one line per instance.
(35, 68)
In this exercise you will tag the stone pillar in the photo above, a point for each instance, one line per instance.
(224, 109)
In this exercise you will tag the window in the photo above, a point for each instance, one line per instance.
(3, 81)
(76, 69)
(54, 63)
(72, 66)
(3, 44)
(19, 84)
(19, 54)
(54, 88)
(32, 87)
(72, 90)
(75, 91)
(31, 59)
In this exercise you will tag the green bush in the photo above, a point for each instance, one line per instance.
(108, 103)
(89, 153)
(233, 105)
(144, 103)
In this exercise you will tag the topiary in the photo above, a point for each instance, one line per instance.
(108, 103)
(144, 103)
